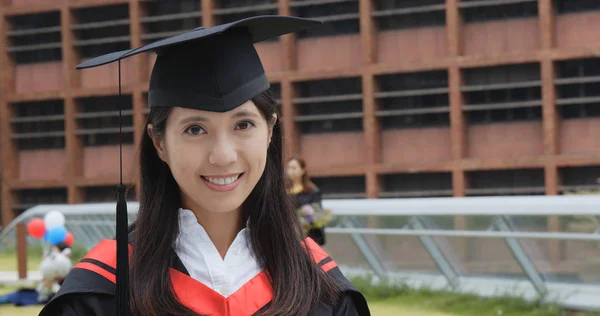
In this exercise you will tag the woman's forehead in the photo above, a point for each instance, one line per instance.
(180, 114)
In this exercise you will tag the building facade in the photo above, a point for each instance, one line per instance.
(422, 98)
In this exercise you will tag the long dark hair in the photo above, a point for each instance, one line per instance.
(307, 184)
(275, 233)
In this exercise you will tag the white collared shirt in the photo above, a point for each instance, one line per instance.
(204, 263)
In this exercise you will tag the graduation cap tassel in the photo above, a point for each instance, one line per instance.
(122, 289)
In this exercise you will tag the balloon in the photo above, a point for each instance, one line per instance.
(53, 219)
(57, 234)
(36, 228)
(69, 239)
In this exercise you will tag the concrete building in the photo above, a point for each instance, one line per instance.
(387, 99)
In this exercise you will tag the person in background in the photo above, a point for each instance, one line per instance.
(305, 193)
(54, 268)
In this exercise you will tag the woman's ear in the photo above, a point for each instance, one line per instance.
(271, 125)
(158, 144)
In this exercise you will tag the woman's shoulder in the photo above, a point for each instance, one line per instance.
(352, 301)
(82, 293)
(349, 304)
(89, 287)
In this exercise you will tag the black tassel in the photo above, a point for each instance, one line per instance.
(122, 288)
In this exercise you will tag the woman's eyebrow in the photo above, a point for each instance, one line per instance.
(194, 118)
(244, 114)
(198, 118)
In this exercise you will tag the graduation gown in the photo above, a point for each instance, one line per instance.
(90, 287)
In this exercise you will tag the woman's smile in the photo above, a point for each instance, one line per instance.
(223, 183)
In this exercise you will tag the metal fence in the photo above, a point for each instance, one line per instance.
(536, 247)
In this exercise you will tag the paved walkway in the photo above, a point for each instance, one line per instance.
(11, 278)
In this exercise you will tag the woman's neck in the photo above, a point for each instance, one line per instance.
(296, 187)
(222, 228)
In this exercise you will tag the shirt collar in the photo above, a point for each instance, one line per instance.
(188, 224)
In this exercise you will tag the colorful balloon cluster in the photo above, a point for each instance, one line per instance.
(51, 229)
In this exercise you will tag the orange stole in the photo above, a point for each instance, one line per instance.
(247, 300)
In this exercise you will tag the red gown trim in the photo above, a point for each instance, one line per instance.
(249, 299)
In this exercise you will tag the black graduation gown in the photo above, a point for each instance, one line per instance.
(89, 289)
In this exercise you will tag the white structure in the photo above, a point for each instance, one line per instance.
(349, 235)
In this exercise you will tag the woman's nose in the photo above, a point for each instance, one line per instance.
(223, 153)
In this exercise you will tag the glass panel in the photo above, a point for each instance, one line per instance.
(442, 222)
(406, 254)
(484, 257)
(580, 223)
(395, 253)
(565, 261)
(345, 253)
(529, 223)
(569, 224)
(478, 222)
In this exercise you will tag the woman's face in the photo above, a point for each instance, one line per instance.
(294, 170)
(216, 158)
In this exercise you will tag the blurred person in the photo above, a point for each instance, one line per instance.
(54, 268)
(308, 200)
(216, 232)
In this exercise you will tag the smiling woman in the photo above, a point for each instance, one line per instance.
(217, 158)
(216, 233)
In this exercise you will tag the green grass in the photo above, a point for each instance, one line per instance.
(8, 257)
(388, 294)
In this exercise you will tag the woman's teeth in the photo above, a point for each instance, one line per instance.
(222, 181)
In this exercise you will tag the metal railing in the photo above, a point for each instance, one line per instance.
(485, 245)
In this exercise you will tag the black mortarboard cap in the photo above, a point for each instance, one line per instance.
(212, 69)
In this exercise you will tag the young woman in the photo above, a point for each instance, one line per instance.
(216, 233)
(305, 192)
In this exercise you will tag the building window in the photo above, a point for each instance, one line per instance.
(329, 105)
(341, 187)
(506, 182)
(402, 14)
(29, 198)
(233, 10)
(489, 10)
(571, 6)
(101, 30)
(340, 17)
(161, 19)
(411, 185)
(502, 94)
(413, 100)
(34, 38)
(98, 120)
(579, 179)
(578, 88)
(38, 125)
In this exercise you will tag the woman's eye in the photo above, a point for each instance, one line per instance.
(244, 125)
(194, 130)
